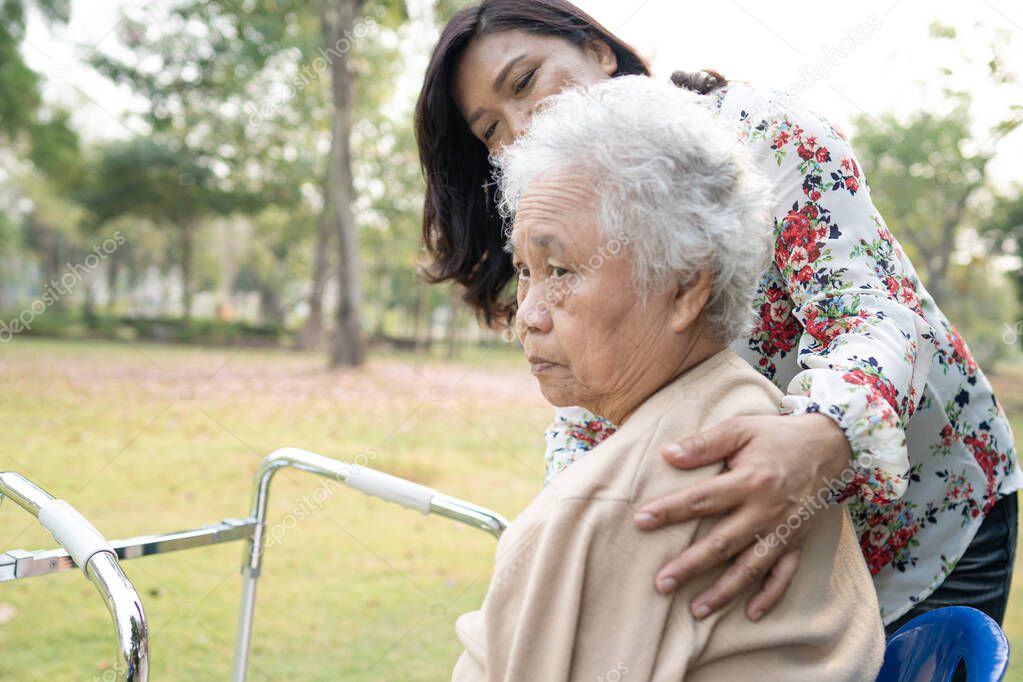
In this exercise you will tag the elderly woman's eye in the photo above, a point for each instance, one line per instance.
(558, 271)
(522, 271)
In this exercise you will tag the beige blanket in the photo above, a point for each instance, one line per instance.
(572, 595)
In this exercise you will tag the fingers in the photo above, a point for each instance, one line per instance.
(725, 491)
(775, 587)
(706, 447)
(726, 539)
(748, 568)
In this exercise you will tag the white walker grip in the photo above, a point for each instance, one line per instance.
(72, 530)
(366, 480)
(390, 488)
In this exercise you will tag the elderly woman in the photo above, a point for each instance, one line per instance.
(640, 230)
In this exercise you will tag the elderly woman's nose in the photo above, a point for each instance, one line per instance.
(534, 314)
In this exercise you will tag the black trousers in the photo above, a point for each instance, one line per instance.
(983, 575)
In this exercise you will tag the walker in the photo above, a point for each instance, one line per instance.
(84, 546)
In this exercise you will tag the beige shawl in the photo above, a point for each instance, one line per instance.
(572, 595)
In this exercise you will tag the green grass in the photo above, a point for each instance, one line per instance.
(148, 438)
(158, 438)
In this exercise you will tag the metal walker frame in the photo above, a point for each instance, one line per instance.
(84, 546)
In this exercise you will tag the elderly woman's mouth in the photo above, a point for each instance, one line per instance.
(539, 365)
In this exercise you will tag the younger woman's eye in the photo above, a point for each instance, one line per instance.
(489, 131)
(524, 82)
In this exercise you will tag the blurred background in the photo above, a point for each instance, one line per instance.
(209, 226)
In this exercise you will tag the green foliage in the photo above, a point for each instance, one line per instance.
(203, 332)
(1004, 228)
(143, 177)
(445, 9)
(87, 324)
(24, 120)
(921, 180)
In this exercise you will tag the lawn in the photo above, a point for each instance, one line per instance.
(155, 438)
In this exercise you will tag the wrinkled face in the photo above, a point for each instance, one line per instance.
(588, 338)
(503, 76)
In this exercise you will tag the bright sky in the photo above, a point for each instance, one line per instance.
(866, 57)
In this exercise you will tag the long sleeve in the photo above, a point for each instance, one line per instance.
(864, 347)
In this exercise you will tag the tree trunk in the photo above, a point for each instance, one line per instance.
(348, 346)
(383, 298)
(113, 270)
(187, 238)
(453, 336)
(422, 332)
(311, 336)
(270, 308)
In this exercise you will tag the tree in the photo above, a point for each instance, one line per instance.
(923, 182)
(42, 132)
(166, 184)
(1004, 228)
(348, 347)
(339, 18)
(929, 174)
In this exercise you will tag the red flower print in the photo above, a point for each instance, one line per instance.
(879, 535)
(804, 275)
(852, 184)
(797, 221)
(822, 155)
(780, 310)
(960, 353)
(908, 296)
(881, 388)
(798, 259)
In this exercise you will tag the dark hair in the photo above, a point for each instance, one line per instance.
(463, 233)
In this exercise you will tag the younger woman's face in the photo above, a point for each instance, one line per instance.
(502, 76)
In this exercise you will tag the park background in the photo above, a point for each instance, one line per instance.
(199, 264)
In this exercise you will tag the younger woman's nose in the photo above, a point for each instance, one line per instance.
(519, 120)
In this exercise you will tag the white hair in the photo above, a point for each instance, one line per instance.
(672, 181)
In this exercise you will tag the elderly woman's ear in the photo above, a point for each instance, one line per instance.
(690, 300)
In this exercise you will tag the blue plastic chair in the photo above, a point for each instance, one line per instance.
(929, 647)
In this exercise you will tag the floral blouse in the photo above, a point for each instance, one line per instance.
(844, 326)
